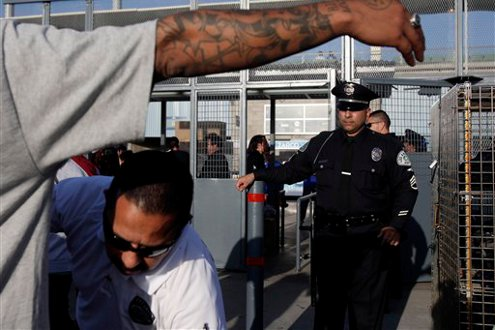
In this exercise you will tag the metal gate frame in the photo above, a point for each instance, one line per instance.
(465, 218)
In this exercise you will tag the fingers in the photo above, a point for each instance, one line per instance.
(408, 56)
(244, 181)
(412, 44)
(390, 235)
(419, 46)
(240, 185)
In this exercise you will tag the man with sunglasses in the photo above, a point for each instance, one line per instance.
(137, 261)
(379, 121)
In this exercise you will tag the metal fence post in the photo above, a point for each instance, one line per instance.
(301, 226)
(254, 259)
(282, 205)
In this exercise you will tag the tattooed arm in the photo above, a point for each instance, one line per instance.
(212, 41)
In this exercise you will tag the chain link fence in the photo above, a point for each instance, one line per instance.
(218, 135)
(466, 219)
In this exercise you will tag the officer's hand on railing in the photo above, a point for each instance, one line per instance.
(390, 235)
(244, 182)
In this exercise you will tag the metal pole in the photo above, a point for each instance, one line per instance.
(45, 20)
(312, 278)
(8, 10)
(273, 110)
(298, 234)
(281, 207)
(193, 133)
(299, 226)
(465, 56)
(163, 124)
(117, 4)
(88, 17)
(311, 223)
(254, 259)
(467, 178)
(459, 44)
(347, 58)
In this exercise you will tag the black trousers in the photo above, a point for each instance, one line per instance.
(350, 274)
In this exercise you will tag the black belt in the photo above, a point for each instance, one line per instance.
(336, 221)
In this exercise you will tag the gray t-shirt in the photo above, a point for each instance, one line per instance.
(63, 93)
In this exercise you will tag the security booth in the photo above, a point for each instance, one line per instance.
(219, 107)
(268, 100)
(464, 124)
(194, 116)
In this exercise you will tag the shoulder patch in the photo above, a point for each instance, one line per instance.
(403, 159)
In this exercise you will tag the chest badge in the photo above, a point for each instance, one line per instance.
(376, 154)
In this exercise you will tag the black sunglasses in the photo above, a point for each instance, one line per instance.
(373, 122)
(121, 244)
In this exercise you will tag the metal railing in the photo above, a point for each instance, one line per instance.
(300, 225)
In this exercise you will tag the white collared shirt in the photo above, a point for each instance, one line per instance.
(183, 291)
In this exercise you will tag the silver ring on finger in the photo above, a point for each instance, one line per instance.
(415, 21)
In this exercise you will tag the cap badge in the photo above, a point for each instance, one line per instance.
(376, 154)
(349, 89)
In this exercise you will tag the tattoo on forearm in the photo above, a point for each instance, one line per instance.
(214, 40)
(378, 4)
(338, 5)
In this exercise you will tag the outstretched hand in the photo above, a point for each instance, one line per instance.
(212, 41)
(386, 23)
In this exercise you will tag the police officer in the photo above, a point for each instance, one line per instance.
(366, 191)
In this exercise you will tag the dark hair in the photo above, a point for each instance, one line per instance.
(173, 142)
(416, 139)
(107, 161)
(121, 148)
(214, 139)
(382, 115)
(156, 182)
(125, 155)
(253, 143)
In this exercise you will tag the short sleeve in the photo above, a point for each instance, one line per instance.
(76, 91)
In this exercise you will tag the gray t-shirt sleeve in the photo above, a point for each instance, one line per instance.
(77, 91)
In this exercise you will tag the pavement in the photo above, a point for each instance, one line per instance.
(286, 294)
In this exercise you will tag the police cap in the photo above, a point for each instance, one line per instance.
(352, 96)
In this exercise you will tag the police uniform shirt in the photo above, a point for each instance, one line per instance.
(380, 181)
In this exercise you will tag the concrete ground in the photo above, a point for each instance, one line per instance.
(287, 303)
